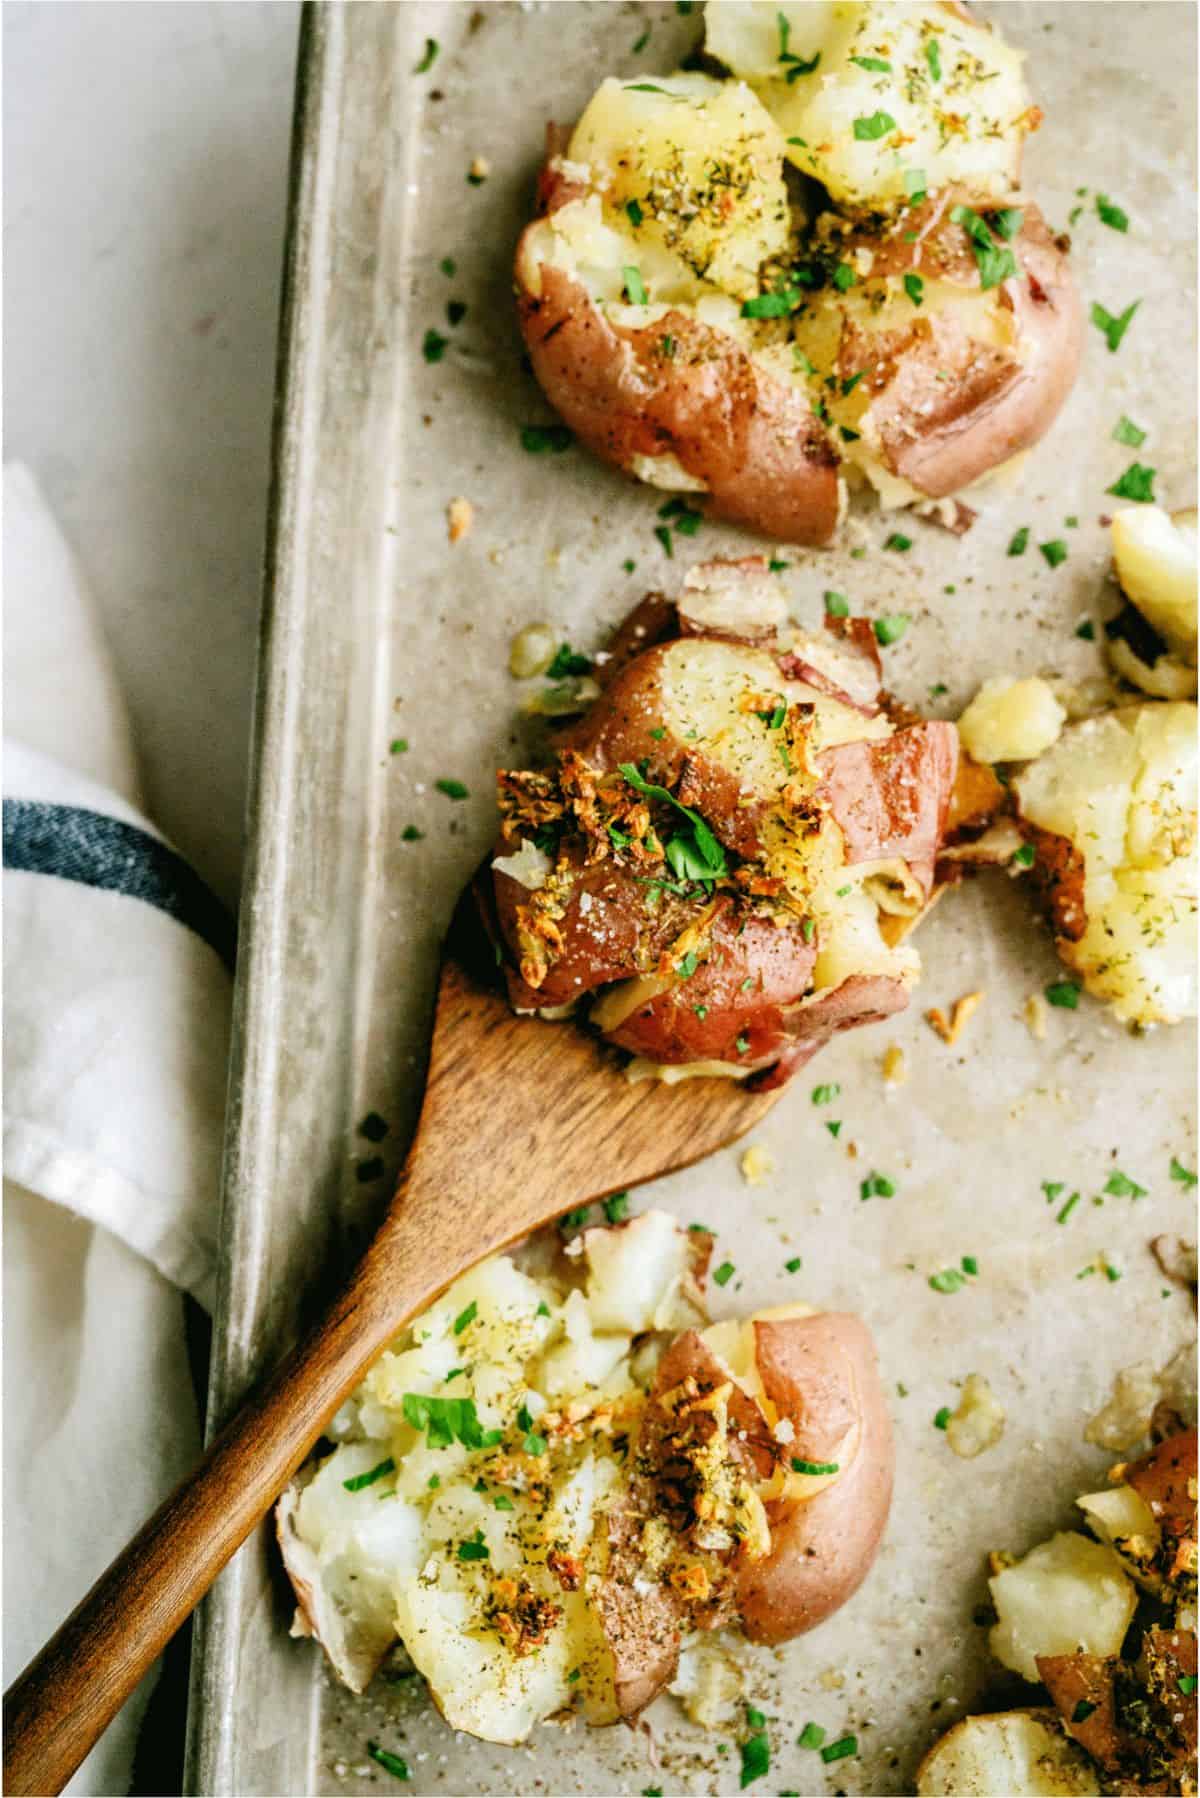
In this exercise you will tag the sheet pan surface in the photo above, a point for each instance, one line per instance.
(377, 629)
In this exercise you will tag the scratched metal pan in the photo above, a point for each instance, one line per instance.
(376, 629)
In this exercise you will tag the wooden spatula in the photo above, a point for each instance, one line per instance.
(521, 1121)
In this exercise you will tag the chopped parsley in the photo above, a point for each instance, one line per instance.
(641, 43)
(698, 857)
(616, 1207)
(635, 287)
(872, 126)
(1110, 214)
(756, 1759)
(811, 1736)
(822, 1095)
(1113, 327)
(536, 440)
(687, 522)
(474, 1549)
(391, 1763)
(1082, 1711)
(434, 346)
(1067, 1209)
(814, 1467)
(794, 1265)
(898, 541)
(724, 1273)
(571, 1220)
(1125, 431)
(970, 1265)
(874, 65)
(1063, 993)
(398, 746)
(368, 1479)
(447, 1420)
(1024, 856)
(633, 212)
(1120, 1186)
(465, 1318)
(994, 263)
(427, 61)
(1086, 630)
(1187, 1683)
(1052, 1188)
(533, 1444)
(1137, 483)
(834, 1128)
(915, 185)
(890, 629)
(568, 661)
(779, 304)
(410, 834)
(1019, 542)
(844, 277)
(933, 57)
(664, 537)
(845, 1745)
(1184, 1175)
(877, 1186)
(837, 605)
(948, 1280)
(453, 789)
(1007, 220)
(456, 311)
(1055, 551)
(448, 267)
(941, 1418)
(914, 287)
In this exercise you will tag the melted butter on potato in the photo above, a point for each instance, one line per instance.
(953, 90)
(1121, 789)
(691, 166)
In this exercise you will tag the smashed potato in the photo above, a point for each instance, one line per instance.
(730, 844)
(704, 328)
(558, 1483)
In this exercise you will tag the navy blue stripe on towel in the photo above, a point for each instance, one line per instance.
(74, 844)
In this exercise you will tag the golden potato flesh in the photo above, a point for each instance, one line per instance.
(881, 101)
(692, 167)
(1010, 1755)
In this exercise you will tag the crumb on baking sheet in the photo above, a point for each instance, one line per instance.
(460, 516)
(963, 1010)
(977, 1423)
(895, 1067)
(757, 1165)
(1035, 1014)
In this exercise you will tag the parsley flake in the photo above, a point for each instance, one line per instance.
(361, 1480)
(1137, 483)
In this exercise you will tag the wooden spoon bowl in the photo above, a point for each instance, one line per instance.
(521, 1121)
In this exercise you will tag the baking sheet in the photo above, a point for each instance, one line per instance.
(376, 629)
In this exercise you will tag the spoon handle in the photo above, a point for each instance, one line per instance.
(69, 1693)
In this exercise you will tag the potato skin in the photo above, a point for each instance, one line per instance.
(891, 798)
(820, 1372)
(823, 1375)
(941, 434)
(762, 454)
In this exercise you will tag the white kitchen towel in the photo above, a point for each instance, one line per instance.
(117, 996)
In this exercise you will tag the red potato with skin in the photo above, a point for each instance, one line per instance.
(802, 1387)
(944, 392)
(825, 818)
(886, 359)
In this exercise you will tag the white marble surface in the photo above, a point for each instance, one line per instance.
(145, 183)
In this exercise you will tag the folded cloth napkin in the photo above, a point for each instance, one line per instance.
(117, 998)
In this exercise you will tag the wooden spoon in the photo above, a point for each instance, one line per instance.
(521, 1121)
